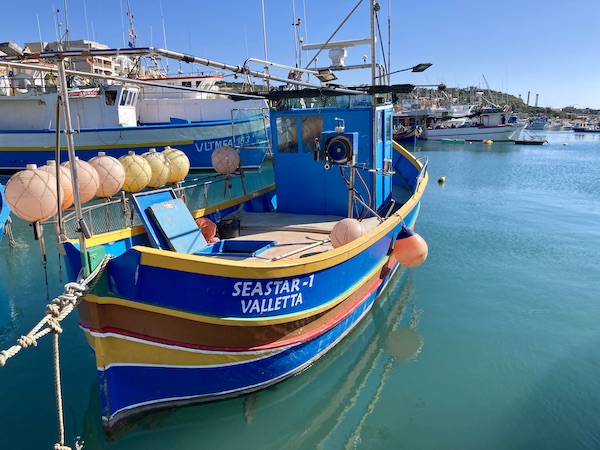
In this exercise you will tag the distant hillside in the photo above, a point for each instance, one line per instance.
(459, 95)
(469, 95)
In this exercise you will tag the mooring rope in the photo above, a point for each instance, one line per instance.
(8, 231)
(56, 311)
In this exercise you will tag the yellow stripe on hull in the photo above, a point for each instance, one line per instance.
(115, 349)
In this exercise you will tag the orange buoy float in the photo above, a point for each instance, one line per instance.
(410, 249)
(88, 180)
(31, 194)
(225, 160)
(207, 228)
(64, 178)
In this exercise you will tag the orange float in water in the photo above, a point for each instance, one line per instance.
(410, 249)
(207, 228)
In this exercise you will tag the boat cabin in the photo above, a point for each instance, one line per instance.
(314, 148)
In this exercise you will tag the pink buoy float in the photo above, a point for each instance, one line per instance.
(88, 181)
(225, 160)
(64, 176)
(31, 194)
(345, 231)
(111, 174)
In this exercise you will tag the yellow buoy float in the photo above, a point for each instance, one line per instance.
(180, 164)
(161, 168)
(137, 172)
(488, 141)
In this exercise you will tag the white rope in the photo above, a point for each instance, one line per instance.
(56, 311)
(8, 231)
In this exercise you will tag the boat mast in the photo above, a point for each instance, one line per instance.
(64, 98)
(373, 7)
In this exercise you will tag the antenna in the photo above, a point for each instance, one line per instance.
(164, 32)
(132, 33)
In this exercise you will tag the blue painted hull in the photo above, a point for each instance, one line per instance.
(196, 140)
(173, 384)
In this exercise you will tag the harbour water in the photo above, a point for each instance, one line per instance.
(492, 343)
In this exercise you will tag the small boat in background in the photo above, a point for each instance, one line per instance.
(407, 133)
(480, 124)
(538, 123)
(531, 138)
(120, 116)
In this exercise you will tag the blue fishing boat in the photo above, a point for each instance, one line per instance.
(184, 112)
(196, 300)
(407, 133)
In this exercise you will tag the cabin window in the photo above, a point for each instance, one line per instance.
(124, 98)
(388, 128)
(132, 96)
(186, 84)
(110, 97)
(312, 127)
(287, 135)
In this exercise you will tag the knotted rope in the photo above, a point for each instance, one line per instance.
(56, 311)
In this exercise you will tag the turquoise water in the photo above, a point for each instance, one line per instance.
(492, 343)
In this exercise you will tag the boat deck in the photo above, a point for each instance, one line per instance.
(297, 235)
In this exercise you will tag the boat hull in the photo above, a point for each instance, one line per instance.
(203, 379)
(197, 140)
(480, 133)
(223, 328)
(408, 134)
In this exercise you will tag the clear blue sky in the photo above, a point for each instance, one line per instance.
(549, 48)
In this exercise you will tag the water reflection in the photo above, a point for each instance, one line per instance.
(318, 408)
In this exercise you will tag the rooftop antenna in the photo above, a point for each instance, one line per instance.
(131, 32)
